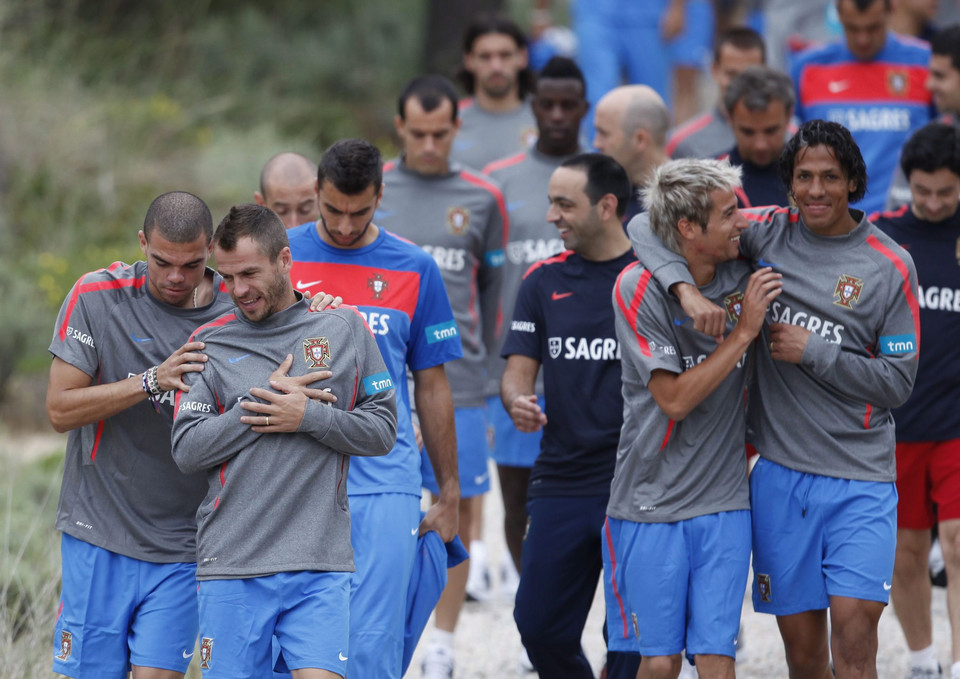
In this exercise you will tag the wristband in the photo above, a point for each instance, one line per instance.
(150, 383)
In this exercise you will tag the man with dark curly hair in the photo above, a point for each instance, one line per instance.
(839, 352)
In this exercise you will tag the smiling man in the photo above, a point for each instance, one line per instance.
(559, 105)
(273, 538)
(677, 537)
(928, 428)
(561, 323)
(128, 516)
(839, 353)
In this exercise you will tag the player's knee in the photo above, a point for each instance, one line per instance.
(854, 640)
(662, 666)
(949, 536)
(806, 657)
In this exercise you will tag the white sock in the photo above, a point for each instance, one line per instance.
(955, 671)
(442, 638)
(925, 658)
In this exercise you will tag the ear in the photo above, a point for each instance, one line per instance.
(398, 125)
(641, 139)
(143, 241)
(285, 259)
(259, 199)
(688, 229)
(607, 206)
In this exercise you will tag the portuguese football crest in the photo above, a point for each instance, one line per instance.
(897, 81)
(316, 351)
(66, 645)
(847, 291)
(206, 653)
(458, 220)
(763, 587)
(378, 284)
(554, 344)
(732, 304)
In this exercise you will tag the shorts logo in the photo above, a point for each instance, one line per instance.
(555, 345)
(66, 645)
(848, 291)
(206, 653)
(732, 304)
(763, 587)
(458, 220)
(316, 352)
(378, 284)
(897, 82)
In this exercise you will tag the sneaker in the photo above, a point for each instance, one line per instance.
(478, 584)
(438, 663)
(938, 570)
(925, 673)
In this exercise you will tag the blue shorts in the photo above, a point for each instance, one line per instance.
(815, 537)
(116, 611)
(471, 454)
(510, 446)
(670, 586)
(308, 611)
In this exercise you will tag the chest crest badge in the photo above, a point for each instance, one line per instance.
(897, 81)
(458, 220)
(732, 304)
(316, 352)
(378, 284)
(847, 291)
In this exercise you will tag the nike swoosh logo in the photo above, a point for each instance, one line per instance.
(342, 657)
(303, 286)
(559, 295)
(680, 321)
(515, 205)
(886, 586)
(480, 479)
(414, 531)
(187, 655)
(762, 263)
(838, 85)
(237, 359)
(140, 339)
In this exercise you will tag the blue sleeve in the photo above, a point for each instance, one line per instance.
(524, 336)
(434, 336)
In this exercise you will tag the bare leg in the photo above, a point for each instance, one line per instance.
(854, 637)
(513, 487)
(314, 673)
(454, 594)
(950, 543)
(911, 587)
(715, 666)
(805, 644)
(155, 673)
(660, 667)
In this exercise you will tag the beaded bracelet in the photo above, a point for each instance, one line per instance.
(150, 383)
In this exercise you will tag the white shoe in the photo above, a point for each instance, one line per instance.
(437, 663)
(925, 673)
(478, 578)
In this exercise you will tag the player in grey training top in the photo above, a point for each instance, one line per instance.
(460, 218)
(276, 459)
(497, 120)
(840, 353)
(559, 104)
(287, 186)
(122, 497)
(681, 473)
(709, 135)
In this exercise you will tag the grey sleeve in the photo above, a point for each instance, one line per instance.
(666, 266)
(899, 191)
(202, 436)
(369, 428)
(886, 379)
(490, 277)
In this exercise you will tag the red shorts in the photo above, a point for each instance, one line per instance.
(928, 474)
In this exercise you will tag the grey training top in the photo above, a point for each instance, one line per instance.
(706, 136)
(121, 489)
(278, 502)
(486, 136)
(525, 178)
(857, 295)
(460, 218)
(672, 471)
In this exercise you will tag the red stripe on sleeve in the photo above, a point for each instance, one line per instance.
(96, 441)
(556, 259)
(901, 267)
(666, 437)
(631, 311)
(497, 194)
(504, 162)
(82, 288)
(685, 131)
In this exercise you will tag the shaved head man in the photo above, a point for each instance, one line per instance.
(288, 186)
(632, 123)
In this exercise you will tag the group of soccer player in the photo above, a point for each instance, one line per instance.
(242, 428)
